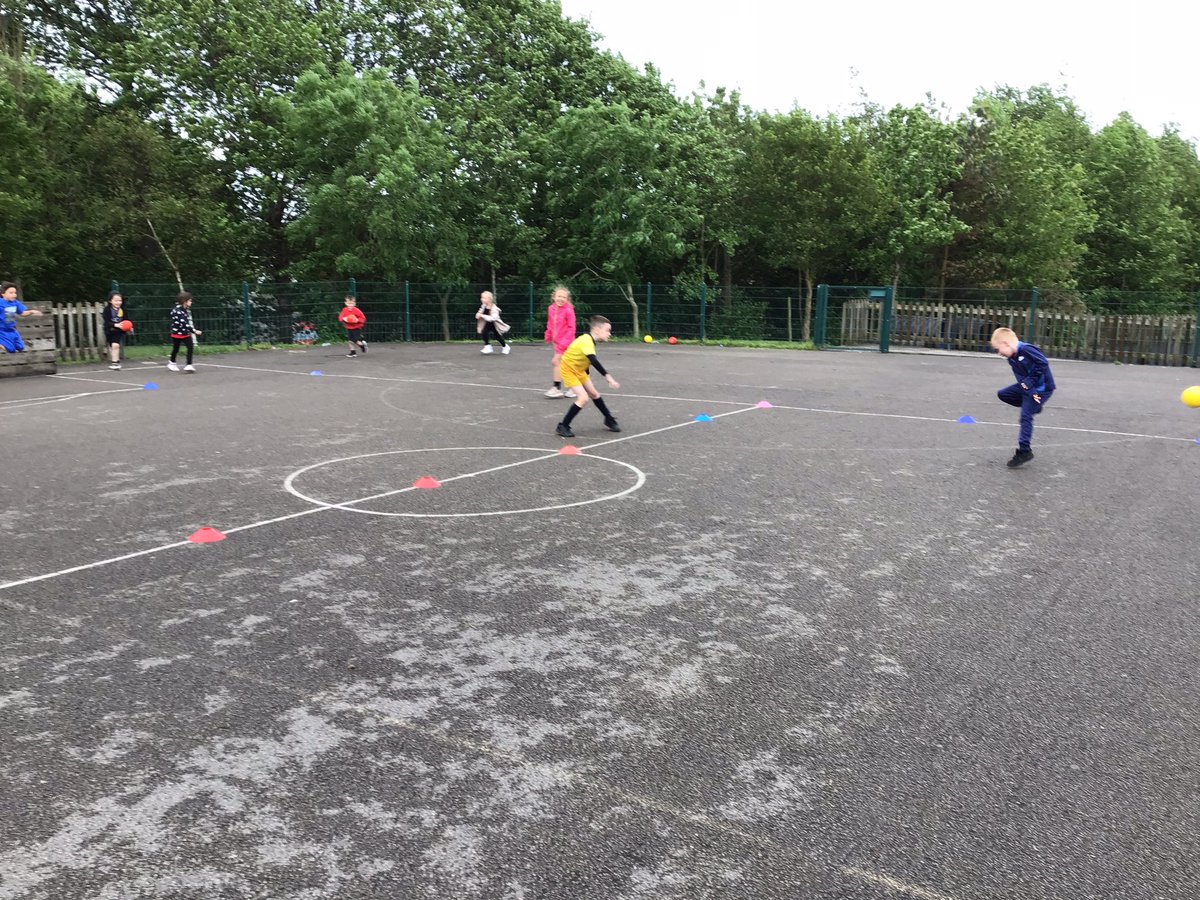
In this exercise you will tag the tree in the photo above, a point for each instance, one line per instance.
(1179, 156)
(914, 157)
(1140, 235)
(809, 188)
(618, 193)
(377, 188)
(1025, 205)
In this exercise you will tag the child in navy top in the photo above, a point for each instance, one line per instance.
(1035, 384)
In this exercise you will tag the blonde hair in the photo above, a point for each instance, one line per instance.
(1005, 334)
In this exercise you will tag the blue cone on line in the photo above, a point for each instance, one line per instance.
(316, 372)
(966, 420)
(703, 417)
(149, 386)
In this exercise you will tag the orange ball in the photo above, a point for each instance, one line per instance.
(671, 340)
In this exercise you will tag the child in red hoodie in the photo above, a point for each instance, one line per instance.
(560, 331)
(354, 320)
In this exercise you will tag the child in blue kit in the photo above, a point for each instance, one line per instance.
(1035, 384)
(10, 310)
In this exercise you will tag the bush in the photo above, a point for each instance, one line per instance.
(743, 320)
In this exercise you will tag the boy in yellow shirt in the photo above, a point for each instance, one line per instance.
(577, 359)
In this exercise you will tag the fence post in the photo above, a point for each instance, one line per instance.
(789, 319)
(1196, 335)
(703, 307)
(354, 288)
(246, 329)
(407, 315)
(885, 322)
(822, 314)
(649, 307)
(1031, 332)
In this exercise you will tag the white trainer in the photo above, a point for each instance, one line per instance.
(115, 366)
(553, 392)
(189, 369)
(171, 365)
(569, 392)
(507, 347)
(487, 348)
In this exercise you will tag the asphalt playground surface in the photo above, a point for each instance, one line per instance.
(830, 648)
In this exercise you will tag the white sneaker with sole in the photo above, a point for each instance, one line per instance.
(487, 348)
(189, 369)
(115, 366)
(171, 365)
(569, 393)
(507, 347)
(553, 392)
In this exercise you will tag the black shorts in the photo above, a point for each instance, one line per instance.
(116, 336)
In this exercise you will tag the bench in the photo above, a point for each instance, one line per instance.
(40, 357)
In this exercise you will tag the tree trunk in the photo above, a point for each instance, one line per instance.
(806, 331)
(444, 302)
(726, 278)
(895, 277)
(941, 288)
(627, 290)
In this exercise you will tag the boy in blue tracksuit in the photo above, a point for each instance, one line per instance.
(1035, 384)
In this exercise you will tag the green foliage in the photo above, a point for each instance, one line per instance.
(1026, 207)
(744, 320)
(915, 161)
(1140, 233)
(469, 142)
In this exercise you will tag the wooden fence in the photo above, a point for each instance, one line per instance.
(78, 330)
(38, 334)
(1145, 339)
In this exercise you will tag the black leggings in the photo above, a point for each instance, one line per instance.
(176, 343)
(489, 332)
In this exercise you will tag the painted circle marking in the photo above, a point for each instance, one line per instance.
(289, 484)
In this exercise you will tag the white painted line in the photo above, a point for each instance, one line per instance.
(1038, 425)
(349, 506)
(60, 398)
(93, 565)
(97, 380)
(630, 437)
(894, 885)
(474, 384)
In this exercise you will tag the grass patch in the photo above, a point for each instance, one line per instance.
(151, 351)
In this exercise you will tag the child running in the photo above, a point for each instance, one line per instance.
(112, 316)
(560, 331)
(354, 319)
(1035, 384)
(576, 360)
(183, 332)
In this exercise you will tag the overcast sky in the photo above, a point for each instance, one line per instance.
(823, 56)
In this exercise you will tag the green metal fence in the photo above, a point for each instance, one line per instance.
(1131, 326)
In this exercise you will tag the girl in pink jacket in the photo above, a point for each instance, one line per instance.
(560, 331)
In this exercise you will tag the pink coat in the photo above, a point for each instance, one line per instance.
(560, 326)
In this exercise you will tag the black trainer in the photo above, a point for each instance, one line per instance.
(612, 425)
(563, 430)
(1020, 458)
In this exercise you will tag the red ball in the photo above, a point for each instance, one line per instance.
(671, 340)
(125, 325)
(351, 320)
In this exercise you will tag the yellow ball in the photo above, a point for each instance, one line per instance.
(649, 340)
(1191, 396)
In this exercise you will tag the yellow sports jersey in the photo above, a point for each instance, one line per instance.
(575, 357)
